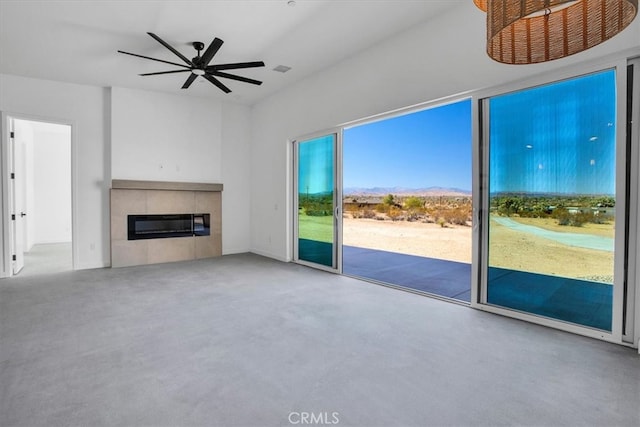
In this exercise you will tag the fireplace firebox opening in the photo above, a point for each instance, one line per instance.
(168, 225)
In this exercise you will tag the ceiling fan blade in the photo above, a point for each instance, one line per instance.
(234, 77)
(154, 59)
(189, 80)
(168, 46)
(217, 83)
(210, 52)
(166, 72)
(235, 66)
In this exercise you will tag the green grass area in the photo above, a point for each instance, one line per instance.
(318, 228)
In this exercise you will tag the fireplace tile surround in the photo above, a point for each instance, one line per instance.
(155, 197)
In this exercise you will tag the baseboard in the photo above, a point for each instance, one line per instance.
(92, 266)
(269, 255)
(234, 251)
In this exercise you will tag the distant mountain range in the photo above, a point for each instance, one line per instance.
(403, 191)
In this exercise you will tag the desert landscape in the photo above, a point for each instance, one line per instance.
(440, 226)
(452, 243)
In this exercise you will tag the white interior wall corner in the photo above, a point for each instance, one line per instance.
(441, 57)
(236, 177)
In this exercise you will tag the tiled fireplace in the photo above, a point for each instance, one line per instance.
(154, 222)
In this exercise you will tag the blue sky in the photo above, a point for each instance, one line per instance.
(558, 138)
(423, 149)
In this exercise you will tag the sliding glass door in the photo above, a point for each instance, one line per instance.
(316, 207)
(551, 232)
(553, 201)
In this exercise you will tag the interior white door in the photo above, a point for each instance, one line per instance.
(18, 192)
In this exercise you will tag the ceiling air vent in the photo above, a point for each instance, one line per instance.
(282, 68)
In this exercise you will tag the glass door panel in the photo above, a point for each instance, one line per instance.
(315, 190)
(552, 200)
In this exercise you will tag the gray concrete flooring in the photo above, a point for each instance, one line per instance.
(245, 341)
(47, 259)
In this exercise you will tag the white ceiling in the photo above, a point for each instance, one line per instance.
(76, 41)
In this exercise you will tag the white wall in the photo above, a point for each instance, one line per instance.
(87, 109)
(441, 57)
(51, 185)
(163, 137)
(236, 176)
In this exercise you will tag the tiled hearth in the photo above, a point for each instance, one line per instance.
(163, 198)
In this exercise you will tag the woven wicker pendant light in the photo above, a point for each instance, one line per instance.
(482, 4)
(532, 31)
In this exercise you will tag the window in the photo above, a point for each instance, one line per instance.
(552, 200)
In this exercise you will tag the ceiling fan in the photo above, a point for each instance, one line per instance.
(199, 65)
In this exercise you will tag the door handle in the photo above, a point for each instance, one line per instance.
(23, 214)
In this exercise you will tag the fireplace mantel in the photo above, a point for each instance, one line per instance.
(129, 197)
(126, 184)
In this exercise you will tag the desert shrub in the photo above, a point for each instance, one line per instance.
(600, 219)
(389, 200)
(394, 213)
(564, 217)
(382, 208)
(352, 209)
(413, 203)
(508, 206)
(581, 218)
(441, 222)
(415, 207)
(413, 216)
(457, 216)
(534, 210)
(368, 213)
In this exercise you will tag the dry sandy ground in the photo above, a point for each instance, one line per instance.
(526, 252)
(508, 248)
(452, 243)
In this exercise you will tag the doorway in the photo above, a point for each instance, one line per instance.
(407, 201)
(40, 197)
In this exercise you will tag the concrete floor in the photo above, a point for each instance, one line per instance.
(245, 341)
(47, 258)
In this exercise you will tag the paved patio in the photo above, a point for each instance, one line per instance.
(435, 276)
